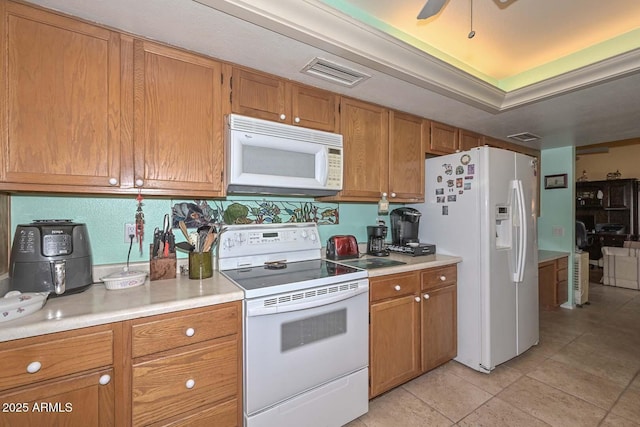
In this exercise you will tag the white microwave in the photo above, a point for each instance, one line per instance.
(264, 157)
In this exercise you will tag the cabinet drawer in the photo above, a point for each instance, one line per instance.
(53, 356)
(178, 383)
(439, 276)
(222, 415)
(393, 286)
(562, 274)
(174, 330)
(562, 263)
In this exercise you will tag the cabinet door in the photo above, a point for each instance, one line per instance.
(443, 138)
(178, 142)
(85, 400)
(260, 95)
(394, 343)
(61, 112)
(547, 284)
(619, 195)
(406, 158)
(314, 108)
(365, 130)
(469, 140)
(439, 327)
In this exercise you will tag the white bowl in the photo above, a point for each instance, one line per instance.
(124, 279)
(15, 304)
(413, 244)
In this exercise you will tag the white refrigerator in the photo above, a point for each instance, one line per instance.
(481, 205)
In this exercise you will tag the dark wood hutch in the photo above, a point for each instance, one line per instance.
(609, 210)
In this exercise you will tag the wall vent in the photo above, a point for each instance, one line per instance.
(334, 72)
(524, 137)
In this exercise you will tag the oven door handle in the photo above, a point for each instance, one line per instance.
(302, 304)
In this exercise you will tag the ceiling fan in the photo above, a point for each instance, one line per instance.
(432, 7)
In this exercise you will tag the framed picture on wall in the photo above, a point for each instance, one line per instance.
(555, 181)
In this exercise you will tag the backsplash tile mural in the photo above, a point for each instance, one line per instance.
(202, 212)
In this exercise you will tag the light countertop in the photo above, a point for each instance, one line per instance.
(544, 255)
(97, 305)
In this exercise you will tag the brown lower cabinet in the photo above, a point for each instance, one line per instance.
(175, 369)
(62, 379)
(553, 283)
(412, 325)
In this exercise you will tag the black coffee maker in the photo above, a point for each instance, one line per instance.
(376, 234)
(404, 226)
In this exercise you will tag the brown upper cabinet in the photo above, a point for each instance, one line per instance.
(442, 139)
(406, 158)
(60, 102)
(365, 129)
(469, 140)
(269, 97)
(383, 153)
(177, 137)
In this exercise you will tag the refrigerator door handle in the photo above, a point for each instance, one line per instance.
(521, 249)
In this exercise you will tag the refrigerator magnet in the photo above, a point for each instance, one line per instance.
(439, 178)
(448, 169)
(451, 198)
(439, 191)
(440, 199)
(465, 159)
(458, 182)
(445, 210)
(471, 169)
(467, 186)
(459, 170)
(449, 183)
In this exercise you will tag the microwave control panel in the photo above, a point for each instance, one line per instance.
(334, 174)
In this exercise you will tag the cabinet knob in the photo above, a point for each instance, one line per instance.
(393, 194)
(443, 278)
(417, 299)
(113, 181)
(190, 384)
(426, 296)
(282, 117)
(105, 379)
(34, 367)
(397, 287)
(139, 182)
(190, 332)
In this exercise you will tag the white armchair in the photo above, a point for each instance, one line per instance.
(622, 265)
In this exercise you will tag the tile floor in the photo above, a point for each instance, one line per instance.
(584, 372)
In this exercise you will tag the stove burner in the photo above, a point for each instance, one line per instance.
(275, 265)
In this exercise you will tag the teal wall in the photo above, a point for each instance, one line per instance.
(557, 206)
(105, 218)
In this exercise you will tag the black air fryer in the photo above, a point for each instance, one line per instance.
(51, 256)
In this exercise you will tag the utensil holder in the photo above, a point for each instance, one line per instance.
(200, 265)
(162, 268)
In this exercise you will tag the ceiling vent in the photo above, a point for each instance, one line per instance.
(334, 72)
(524, 137)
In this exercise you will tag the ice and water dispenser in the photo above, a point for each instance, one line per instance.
(503, 226)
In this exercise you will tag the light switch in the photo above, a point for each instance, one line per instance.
(557, 231)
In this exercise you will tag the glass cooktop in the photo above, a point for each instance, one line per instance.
(285, 277)
(371, 263)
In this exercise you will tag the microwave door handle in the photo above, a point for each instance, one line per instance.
(322, 166)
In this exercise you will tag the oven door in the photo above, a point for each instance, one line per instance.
(318, 335)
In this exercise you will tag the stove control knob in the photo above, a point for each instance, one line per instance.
(312, 236)
(304, 234)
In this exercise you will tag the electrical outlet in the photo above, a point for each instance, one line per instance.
(129, 229)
